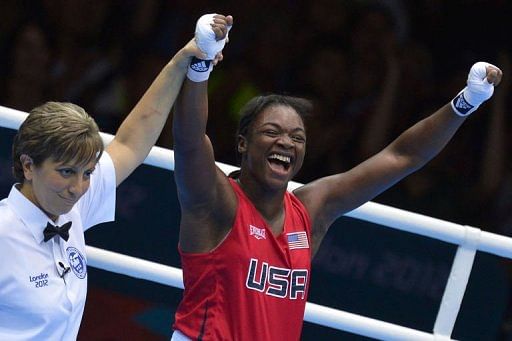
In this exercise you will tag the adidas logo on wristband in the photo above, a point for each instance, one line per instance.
(461, 105)
(199, 70)
(200, 65)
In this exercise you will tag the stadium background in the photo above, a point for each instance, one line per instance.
(372, 68)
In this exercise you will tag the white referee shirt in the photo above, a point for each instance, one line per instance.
(43, 285)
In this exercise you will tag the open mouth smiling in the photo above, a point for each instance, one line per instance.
(280, 163)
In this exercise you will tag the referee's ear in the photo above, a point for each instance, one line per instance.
(27, 165)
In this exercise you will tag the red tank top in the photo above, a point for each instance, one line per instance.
(254, 285)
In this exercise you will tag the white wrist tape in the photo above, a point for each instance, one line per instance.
(205, 37)
(477, 91)
(199, 70)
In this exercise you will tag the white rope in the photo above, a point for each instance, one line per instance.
(134, 267)
(325, 316)
(469, 239)
(372, 212)
(11, 118)
(365, 326)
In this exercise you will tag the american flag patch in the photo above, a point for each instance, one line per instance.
(298, 240)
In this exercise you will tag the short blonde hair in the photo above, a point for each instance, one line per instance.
(61, 131)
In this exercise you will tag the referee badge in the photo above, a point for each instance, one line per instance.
(77, 262)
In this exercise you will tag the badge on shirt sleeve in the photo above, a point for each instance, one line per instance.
(77, 262)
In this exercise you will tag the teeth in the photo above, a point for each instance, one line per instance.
(280, 158)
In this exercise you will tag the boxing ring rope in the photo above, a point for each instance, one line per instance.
(469, 240)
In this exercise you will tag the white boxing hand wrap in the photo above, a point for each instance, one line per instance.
(477, 91)
(206, 39)
(199, 70)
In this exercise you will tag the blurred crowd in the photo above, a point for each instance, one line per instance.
(372, 68)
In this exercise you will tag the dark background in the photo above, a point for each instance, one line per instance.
(372, 68)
